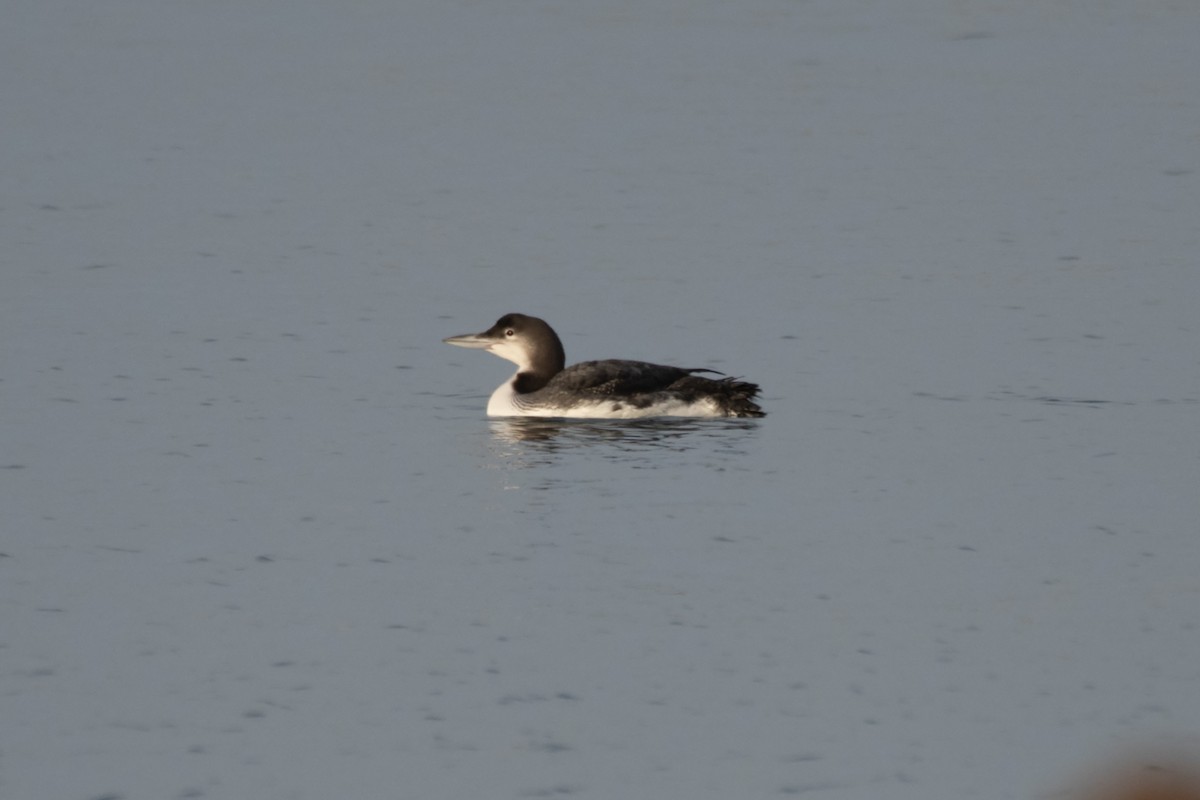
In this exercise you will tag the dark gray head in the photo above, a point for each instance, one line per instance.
(526, 341)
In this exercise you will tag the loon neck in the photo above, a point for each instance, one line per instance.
(540, 353)
(525, 382)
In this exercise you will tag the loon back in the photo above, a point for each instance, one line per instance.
(641, 385)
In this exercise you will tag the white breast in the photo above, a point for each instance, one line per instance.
(504, 403)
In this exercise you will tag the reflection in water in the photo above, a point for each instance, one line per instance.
(526, 442)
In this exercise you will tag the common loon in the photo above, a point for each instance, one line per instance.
(611, 389)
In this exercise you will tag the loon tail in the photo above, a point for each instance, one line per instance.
(735, 397)
(738, 398)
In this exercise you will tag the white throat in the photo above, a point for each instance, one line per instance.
(514, 352)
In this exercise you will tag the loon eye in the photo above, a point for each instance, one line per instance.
(510, 332)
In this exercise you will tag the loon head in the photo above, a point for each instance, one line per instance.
(526, 341)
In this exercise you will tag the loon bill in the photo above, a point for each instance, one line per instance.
(609, 389)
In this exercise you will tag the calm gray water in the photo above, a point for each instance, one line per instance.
(259, 539)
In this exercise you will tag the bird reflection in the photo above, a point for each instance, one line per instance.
(526, 442)
(564, 432)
